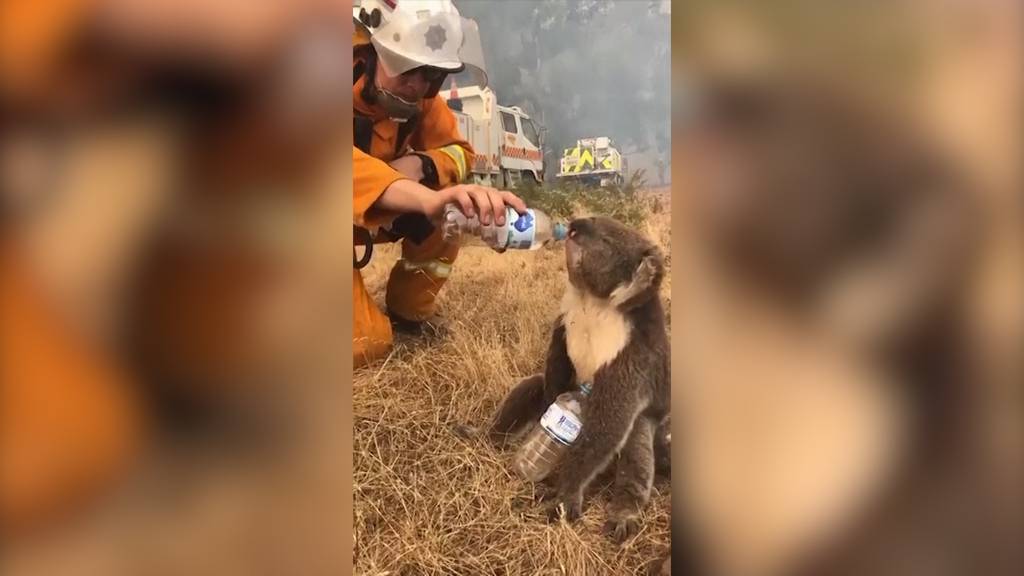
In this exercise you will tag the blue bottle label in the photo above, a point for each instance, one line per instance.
(561, 424)
(522, 231)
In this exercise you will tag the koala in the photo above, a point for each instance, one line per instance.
(610, 333)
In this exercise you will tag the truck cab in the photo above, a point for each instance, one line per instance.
(507, 142)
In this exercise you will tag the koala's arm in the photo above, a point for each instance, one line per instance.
(527, 401)
(558, 369)
(523, 404)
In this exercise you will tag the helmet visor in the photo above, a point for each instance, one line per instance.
(472, 54)
(397, 58)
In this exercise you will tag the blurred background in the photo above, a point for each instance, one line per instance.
(847, 382)
(174, 190)
(847, 299)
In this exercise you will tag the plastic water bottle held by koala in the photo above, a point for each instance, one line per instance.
(529, 231)
(559, 427)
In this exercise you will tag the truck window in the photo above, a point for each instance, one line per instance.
(530, 131)
(508, 121)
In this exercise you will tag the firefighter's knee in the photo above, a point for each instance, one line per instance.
(413, 287)
(433, 247)
(417, 278)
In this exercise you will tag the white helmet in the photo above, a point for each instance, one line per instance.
(408, 34)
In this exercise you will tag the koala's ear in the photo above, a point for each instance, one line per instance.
(644, 283)
(652, 266)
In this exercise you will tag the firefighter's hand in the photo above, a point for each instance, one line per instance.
(410, 166)
(487, 203)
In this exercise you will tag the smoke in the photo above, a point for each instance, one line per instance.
(583, 69)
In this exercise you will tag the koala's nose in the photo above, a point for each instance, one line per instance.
(578, 225)
(574, 229)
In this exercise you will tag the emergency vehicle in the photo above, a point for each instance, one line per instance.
(507, 142)
(593, 161)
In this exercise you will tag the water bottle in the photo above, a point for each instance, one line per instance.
(528, 231)
(550, 439)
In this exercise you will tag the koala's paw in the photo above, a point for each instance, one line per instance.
(622, 527)
(569, 509)
(647, 271)
(544, 494)
(465, 431)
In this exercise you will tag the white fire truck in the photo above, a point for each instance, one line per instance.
(507, 142)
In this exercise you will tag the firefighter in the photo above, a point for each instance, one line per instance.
(409, 159)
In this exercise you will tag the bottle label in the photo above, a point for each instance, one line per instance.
(561, 424)
(521, 231)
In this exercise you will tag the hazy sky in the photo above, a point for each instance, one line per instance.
(582, 67)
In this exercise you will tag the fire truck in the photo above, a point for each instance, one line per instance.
(507, 142)
(593, 161)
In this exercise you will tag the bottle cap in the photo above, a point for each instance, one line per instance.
(561, 231)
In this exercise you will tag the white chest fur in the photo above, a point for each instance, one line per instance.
(595, 332)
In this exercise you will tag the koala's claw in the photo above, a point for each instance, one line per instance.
(622, 529)
(646, 271)
(564, 508)
(465, 431)
(544, 494)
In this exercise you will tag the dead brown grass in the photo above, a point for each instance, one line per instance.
(428, 502)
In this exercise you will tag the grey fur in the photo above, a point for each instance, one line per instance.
(629, 405)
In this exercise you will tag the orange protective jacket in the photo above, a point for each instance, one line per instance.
(436, 135)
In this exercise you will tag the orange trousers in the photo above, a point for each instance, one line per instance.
(412, 289)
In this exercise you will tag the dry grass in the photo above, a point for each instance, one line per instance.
(428, 502)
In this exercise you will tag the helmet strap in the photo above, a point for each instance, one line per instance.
(397, 109)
